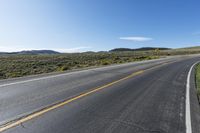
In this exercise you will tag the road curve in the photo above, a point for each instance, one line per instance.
(140, 97)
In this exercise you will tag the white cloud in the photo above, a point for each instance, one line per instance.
(12, 48)
(136, 38)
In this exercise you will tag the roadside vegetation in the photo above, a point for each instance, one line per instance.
(22, 65)
(198, 79)
(18, 65)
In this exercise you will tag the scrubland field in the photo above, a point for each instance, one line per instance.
(15, 65)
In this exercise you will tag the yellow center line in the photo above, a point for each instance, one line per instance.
(36, 114)
(45, 110)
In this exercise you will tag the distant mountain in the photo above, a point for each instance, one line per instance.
(138, 49)
(121, 49)
(32, 52)
(189, 48)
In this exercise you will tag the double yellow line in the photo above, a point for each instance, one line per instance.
(45, 110)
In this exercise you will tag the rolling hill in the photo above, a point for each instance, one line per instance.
(32, 52)
(139, 49)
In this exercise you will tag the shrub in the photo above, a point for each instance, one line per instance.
(64, 68)
(105, 63)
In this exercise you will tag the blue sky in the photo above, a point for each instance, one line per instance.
(84, 25)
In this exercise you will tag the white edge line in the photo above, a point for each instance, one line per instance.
(187, 102)
(52, 76)
(65, 74)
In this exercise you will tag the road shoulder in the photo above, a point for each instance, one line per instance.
(195, 108)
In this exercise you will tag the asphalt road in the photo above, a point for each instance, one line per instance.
(113, 99)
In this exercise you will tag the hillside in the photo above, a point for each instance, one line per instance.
(32, 52)
(189, 48)
(139, 49)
